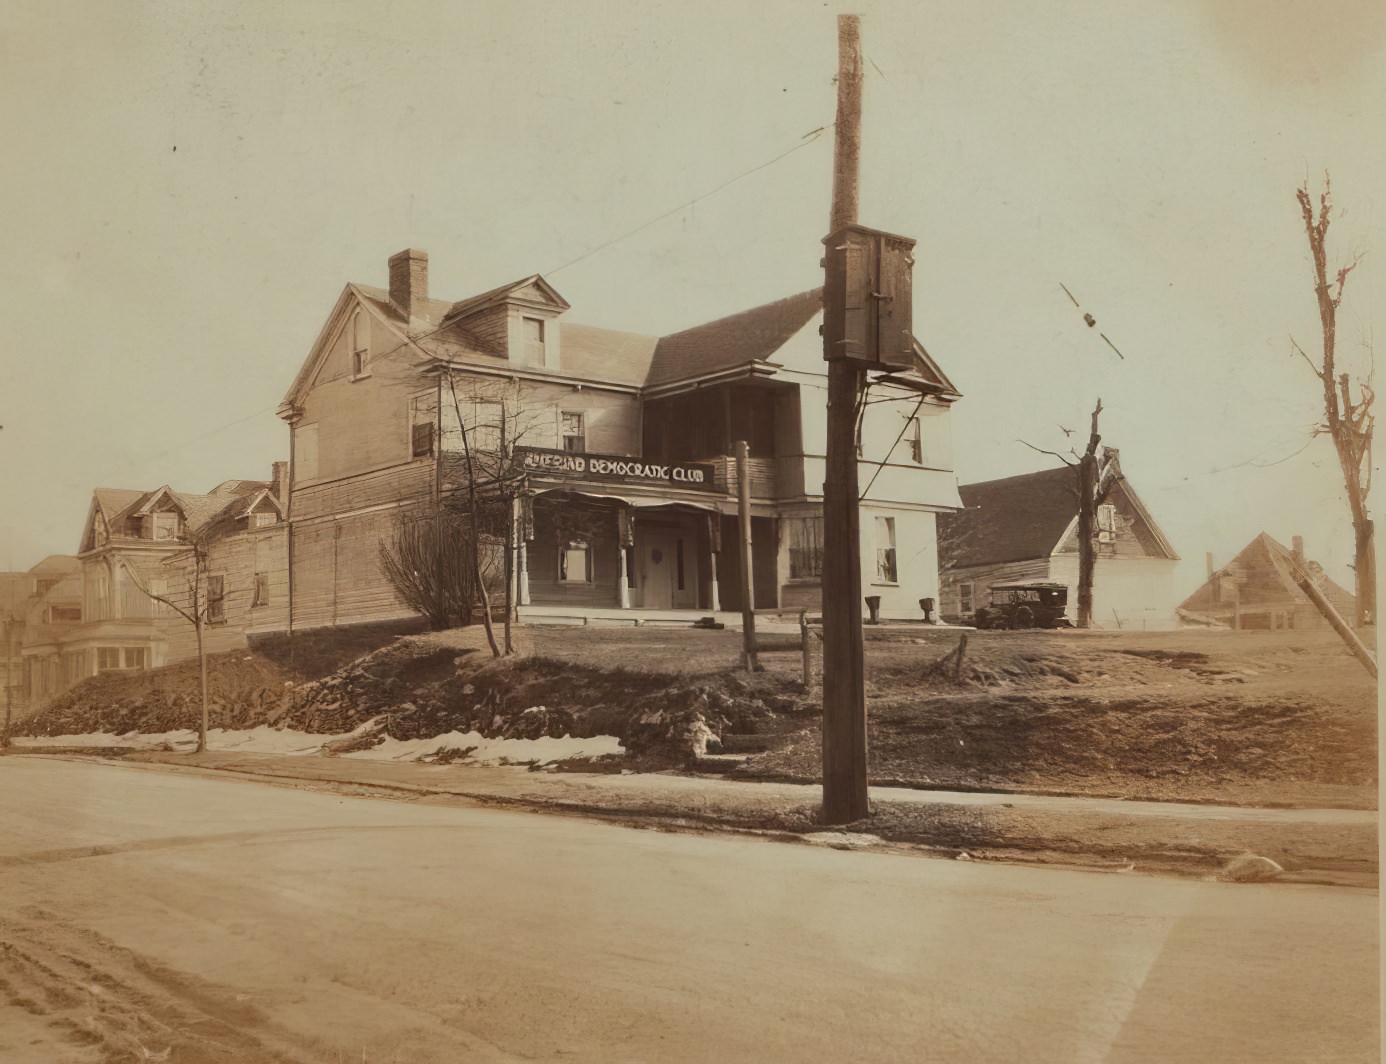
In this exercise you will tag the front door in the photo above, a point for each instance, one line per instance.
(657, 571)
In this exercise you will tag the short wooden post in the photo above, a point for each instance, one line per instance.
(808, 660)
(748, 606)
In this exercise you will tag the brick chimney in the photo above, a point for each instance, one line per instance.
(279, 481)
(409, 282)
(1297, 548)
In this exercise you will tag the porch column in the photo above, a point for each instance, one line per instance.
(625, 537)
(714, 542)
(526, 522)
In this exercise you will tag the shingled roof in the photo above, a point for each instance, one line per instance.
(1010, 520)
(751, 336)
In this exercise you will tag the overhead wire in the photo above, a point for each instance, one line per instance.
(414, 341)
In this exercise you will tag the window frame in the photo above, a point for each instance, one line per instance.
(535, 351)
(360, 346)
(887, 560)
(575, 546)
(914, 436)
(564, 436)
(215, 609)
(801, 539)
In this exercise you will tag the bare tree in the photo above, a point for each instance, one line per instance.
(1347, 420)
(197, 612)
(1095, 476)
(428, 563)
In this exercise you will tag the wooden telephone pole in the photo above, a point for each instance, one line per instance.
(844, 680)
(866, 326)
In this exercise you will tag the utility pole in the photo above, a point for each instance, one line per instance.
(749, 657)
(844, 679)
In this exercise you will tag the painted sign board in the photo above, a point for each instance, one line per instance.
(615, 468)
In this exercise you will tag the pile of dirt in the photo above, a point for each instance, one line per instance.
(418, 688)
(244, 690)
(421, 686)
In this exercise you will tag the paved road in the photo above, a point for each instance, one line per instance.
(145, 912)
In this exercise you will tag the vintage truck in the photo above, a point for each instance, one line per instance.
(1025, 605)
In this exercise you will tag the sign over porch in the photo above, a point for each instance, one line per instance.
(617, 469)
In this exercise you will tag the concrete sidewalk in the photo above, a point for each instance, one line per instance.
(1321, 845)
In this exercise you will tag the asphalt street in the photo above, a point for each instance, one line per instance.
(148, 914)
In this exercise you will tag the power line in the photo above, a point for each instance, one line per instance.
(805, 141)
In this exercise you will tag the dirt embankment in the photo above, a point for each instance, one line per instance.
(1239, 717)
(420, 686)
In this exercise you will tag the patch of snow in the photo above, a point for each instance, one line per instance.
(543, 751)
(267, 740)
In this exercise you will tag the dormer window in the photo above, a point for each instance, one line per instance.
(533, 334)
(263, 520)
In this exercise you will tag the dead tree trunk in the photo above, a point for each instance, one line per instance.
(1087, 522)
(1349, 422)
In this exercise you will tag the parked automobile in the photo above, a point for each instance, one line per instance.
(1025, 605)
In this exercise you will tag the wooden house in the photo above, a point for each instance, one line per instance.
(623, 443)
(1025, 528)
(37, 605)
(141, 547)
(1257, 589)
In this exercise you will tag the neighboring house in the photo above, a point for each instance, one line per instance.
(40, 603)
(629, 495)
(142, 546)
(1026, 528)
(1257, 589)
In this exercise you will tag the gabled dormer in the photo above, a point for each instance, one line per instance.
(519, 321)
(159, 518)
(261, 510)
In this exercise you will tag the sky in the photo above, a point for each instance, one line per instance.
(187, 186)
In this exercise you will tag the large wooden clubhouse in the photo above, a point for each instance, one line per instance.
(633, 432)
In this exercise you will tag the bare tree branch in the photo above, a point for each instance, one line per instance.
(1041, 450)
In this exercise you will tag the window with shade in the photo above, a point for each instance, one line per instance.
(573, 430)
(1106, 523)
(533, 333)
(886, 569)
(915, 439)
(575, 562)
(360, 344)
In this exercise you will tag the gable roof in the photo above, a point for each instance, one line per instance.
(741, 341)
(1026, 517)
(200, 512)
(1267, 568)
(473, 304)
(749, 336)
(1010, 520)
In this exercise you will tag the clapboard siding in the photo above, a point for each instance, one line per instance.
(546, 588)
(337, 573)
(236, 558)
(382, 487)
